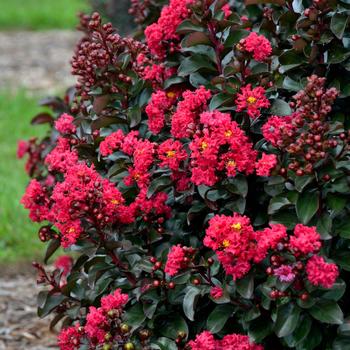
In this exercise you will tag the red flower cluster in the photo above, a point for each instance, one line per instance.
(111, 143)
(36, 200)
(159, 104)
(162, 34)
(178, 258)
(206, 341)
(234, 241)
(70, 338)
(257, 45)
(171, 153)
(184, 120)
(61, 157)
(64, 124)
(208, 158)
(306, 240)
(277, 129)
(266, 164)
(99, 322)
(252, 100)
(321, 273)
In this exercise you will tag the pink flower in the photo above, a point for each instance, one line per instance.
(305, 240)
(160, 33)
(216, 292)
(61, 157)
(69, 338)
(227, 11)
(171, 154)
(37, 201)
(175, 260)
(159, 104)
(206, 341)
(265, 164)
(64, 124)
(22, 148)
(268, 239)
(96, 323)
(285, 273)
(64, 263)
(238, 342)
(111, 143)
(184, 120)
(258, 45)
(321, 273)
(252, 100)
(203, 341)
(114, 301)
(277, 129)
(233, 240)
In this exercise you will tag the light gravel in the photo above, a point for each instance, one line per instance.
(38, 61)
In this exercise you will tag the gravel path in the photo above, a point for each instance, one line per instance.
(20, 327)
(36, 60)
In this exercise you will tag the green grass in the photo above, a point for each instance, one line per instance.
(18, 236)
(40, 14)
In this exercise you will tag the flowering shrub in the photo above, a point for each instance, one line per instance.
(201, 178)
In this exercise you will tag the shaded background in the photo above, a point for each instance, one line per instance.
(37, 39)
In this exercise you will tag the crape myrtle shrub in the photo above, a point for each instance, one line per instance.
(201, 178)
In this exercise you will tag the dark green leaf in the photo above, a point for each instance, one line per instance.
(339, 22)
(190, 301)
(218, 317)
(280, 108)
(51, 249)
(327, 312)
(307, 206)
(287, 319)
(135, 316)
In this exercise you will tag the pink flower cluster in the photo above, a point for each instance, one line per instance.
(266, 164)
(277, 129)
(171, 154)
(252, 100)
(184, 120)
(234, 241)
(162, 34)
(306, 240)
(206, 341)
(321, 273)
(64, 124)
(156, 109)
(178, 258)
(61, 157)
(257, 45)
(99, 322)
(207, 158)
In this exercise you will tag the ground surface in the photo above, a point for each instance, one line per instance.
(20, 328)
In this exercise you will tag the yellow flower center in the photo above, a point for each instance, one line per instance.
(171, 94)
(170, 154)
(228, 133)
(115, 201)
(136, 176)
(251, 100)
(231, 163)
(71, 230)
(204, 145)
(226, 243)
(236, 226)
